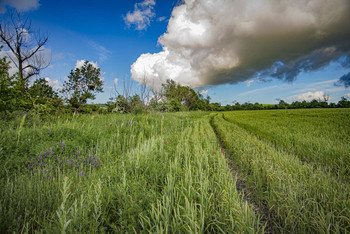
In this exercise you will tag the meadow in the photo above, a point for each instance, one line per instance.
(276, 171)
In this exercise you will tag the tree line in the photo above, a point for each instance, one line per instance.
(316, 103)
(19, 92)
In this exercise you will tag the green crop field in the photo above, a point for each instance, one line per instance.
(279, 171)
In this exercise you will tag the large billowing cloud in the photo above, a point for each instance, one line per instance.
(228, 41)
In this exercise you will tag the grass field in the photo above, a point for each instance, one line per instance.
(234, 172)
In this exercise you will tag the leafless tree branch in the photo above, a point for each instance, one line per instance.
(26, 45)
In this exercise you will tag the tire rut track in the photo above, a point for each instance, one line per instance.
(260, 207)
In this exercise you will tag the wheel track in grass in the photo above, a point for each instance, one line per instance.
(264, 136)
(261, 208)
(289, 210)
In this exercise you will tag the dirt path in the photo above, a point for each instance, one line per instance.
(260, 208)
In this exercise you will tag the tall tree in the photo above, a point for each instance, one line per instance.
(182, 94)
(83, 83)
(25, 45)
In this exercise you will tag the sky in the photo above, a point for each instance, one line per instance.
(234, 51)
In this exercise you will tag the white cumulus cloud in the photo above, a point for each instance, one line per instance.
(347, 95)
(215, 42)
(161, 19)
(309, 96)
(80, 63)
(19, 5)
(204, 92)
(142, 15)
(55, 84)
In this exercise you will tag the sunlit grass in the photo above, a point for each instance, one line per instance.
(317, 136)
(118, 173)
(166, 173)
(302, 198)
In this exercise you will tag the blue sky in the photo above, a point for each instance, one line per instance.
(114, 34)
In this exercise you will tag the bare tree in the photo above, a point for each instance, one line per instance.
(127, 89)
(144, 90)
(156, 92)
(326, 97)
(25, 45)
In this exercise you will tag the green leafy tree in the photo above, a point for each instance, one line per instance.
(175, 105)
(43, 98)
(314, 104)
(191, 98)
(171, 90)
(304, 104)
(201, 104)
(135, 102)
(185, 96)
(41, 92)
(122, 105)
(161, 105)
(137, 105)
(257, 106)
(344, 103)
(237, 106)
(228, 108)
(83, 84)
(296, 105)
(283, 105)
(215, 106)
(12, 97)
(323, 104)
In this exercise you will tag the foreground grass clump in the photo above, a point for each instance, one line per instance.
(301, 198)
(118, 173)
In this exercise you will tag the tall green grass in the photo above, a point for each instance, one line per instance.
(317, 136)
(302, 199)
(118, 173)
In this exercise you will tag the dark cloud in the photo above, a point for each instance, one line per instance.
(311, 62)
(344, 80)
